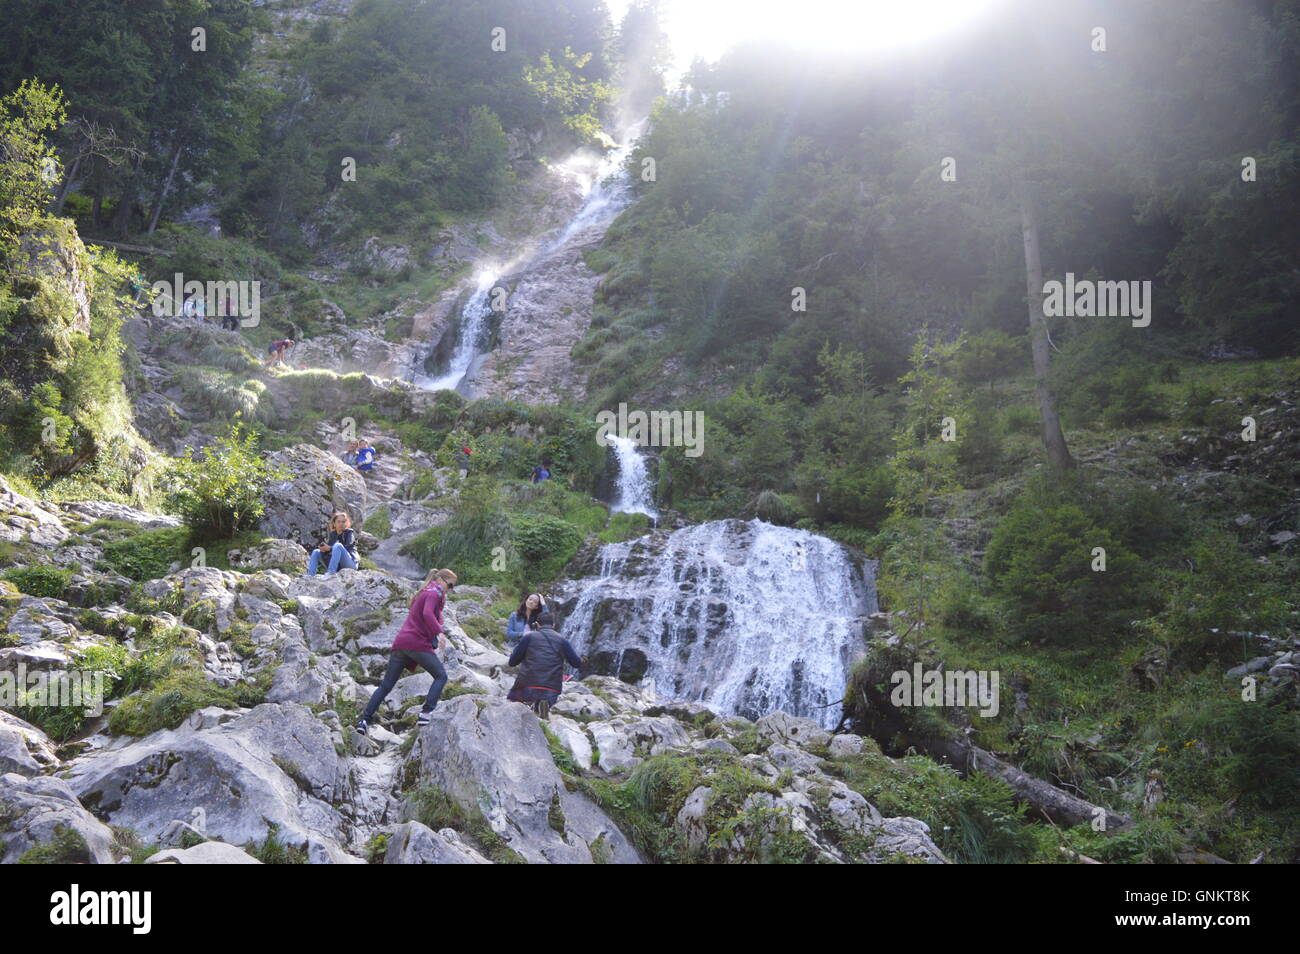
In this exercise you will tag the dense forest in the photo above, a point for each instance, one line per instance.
(838, 260)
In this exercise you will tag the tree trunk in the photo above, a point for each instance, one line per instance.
(166, 187)
(67, 185)
(1058, 454)
(1057, 804)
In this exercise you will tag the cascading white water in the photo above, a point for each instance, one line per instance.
(633, 491)
(473, 320)
(602, 182)
(747, 618)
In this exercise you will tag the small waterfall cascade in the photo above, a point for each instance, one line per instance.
(745, 617)
(634, 492)
(603, 184)
(473, 323)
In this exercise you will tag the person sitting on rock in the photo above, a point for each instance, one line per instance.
(543, 472)
(365, 459)
(524, 618)
(541, 655)
(415, 645)
(340, 546)
(350, 454)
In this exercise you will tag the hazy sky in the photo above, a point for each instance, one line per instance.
(706, 28)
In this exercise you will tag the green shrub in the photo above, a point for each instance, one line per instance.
(1040, 561)
(39, 579)
(222, 492)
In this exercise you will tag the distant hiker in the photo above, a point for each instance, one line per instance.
(415, 644)
(524, 618)
(462, 461)
(230, 321)
(340, 546)
(138, 287)
(541, 655)
(543, 472)
(276, 350)
(200, 309)
(350, 454)
(365, 459)
(187, 309)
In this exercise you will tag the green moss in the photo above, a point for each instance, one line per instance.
(555, 814)
(167, 704)
(67, 847)
(436, 809)
(379, 523)
(147, 554)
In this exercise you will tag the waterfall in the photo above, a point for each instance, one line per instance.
(473, 322)
(745, 617)
(634, 492)
(602, 183)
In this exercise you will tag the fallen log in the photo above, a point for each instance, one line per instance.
(1055, 803)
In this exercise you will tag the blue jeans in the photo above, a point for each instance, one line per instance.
(339, 556)
(397, 661)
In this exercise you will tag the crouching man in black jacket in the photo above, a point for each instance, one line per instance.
(541, 655)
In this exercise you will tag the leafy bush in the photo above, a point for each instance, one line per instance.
(545, 543)
(221, 493)
(39, 579)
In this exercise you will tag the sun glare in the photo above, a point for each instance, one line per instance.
(708, 28)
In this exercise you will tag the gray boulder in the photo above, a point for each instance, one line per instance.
(34, 811)
(491, 757)
(208, 853)
(415, 844)
(316, 485)
(276, 765)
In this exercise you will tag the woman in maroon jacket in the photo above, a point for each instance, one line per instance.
(415, 644)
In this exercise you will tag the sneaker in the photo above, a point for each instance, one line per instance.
(362, 726)
(425, 719)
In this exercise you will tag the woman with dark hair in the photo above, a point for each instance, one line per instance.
(525, 618)
(415, 644)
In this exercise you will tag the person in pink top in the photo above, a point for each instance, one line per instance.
(415, 644)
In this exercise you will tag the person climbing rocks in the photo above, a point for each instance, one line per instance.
(462, 460)
(541, 655)
(276, 351)
(230, 320)
(365, 456)
(349, 455)
(415, 644)
(524, 618)
(543, 472)
(340, 547)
